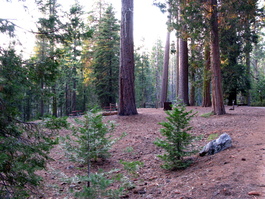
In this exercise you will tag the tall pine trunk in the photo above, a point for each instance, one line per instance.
(165, 72)
(42, 99)
(127, 104)
(183, 72)
(206, 102)
(54, 101)
(192, 89)
(217, 93)
(177, 67)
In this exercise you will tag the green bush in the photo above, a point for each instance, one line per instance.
(132, 167)
(99, 188)
(90, 140)
(24, 149)
(177, 142)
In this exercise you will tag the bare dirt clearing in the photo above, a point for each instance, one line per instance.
(237, 172)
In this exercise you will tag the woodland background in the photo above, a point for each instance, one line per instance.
(75, 62)
(213, 56)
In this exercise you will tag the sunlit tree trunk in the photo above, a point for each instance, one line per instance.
(127, 105)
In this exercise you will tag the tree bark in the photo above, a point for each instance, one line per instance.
(207, 78)
(127, 104)
(192, 89)
(165, 72)
(217, 93)
(54, 101)
(177, 67)
(183, 72)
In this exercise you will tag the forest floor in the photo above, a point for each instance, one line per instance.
(237, 172)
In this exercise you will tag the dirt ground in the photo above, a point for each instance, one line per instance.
(238, 172)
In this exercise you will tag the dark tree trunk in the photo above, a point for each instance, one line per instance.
(67, 100)
(192, 89)
(207, 78)
(42, 100)
(232, 98)
(54, 101)
(127, 104)
(248, 75)
(165, 72)
(217, 93)
(74, 95)
(183, 72)
(177, 68)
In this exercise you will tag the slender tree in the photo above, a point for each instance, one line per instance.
(75, 31)
(48, 31)
(127, 105)
(106, 58)
(206, 102)
(144, 88)
(156, 62)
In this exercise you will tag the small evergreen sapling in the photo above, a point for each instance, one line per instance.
(177, 142)
(90, 141)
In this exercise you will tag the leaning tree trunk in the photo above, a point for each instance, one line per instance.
(217, 93)
(127, 104)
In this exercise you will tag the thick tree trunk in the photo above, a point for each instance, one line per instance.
(183, 72)
(207, 78)
(127, 104)
(217, 93)
(165, 72)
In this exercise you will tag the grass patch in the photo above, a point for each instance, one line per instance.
(212, 136)
(207, 115)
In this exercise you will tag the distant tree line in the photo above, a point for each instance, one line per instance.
(76, 59)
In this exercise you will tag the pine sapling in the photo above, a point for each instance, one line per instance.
(177, 141)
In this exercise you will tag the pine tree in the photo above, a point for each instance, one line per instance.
(156, 62)
(144, 89)
(24, 146)
(48, 31)
(106, 58)
(75, 32)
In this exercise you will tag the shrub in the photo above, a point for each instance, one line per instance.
(99, 188)
(177, 142)
(91, 140)
(24, 149)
